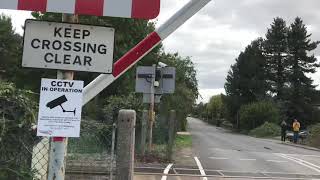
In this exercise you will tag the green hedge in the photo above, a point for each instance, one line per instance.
(313, 139)
(266, 130)
(255, 114)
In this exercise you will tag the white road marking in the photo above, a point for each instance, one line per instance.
(166, 171)
(277, 161)
(220, 173)
(303, 161)
(200, 168)
(301, 155)
(177, 177)
(300, 161)
(219, 158)
(247, 159)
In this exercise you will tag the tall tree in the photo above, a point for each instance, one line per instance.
(275, 51)
(300, 63)
(10, 50)
(186, 87)
(216, 107)
(246, 80)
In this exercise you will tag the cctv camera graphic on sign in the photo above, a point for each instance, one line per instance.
(58, 102)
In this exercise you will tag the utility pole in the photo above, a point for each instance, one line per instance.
(144, 124)
(151, 108)
(58, 150)
(172, 134)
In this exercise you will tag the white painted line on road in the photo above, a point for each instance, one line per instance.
(166, 171)
(200, 168)
(297, 161)
(247, 159)
(303, 161)
(301, 155)
(220, 173)
(277, 161)
(219, 158)
(177, 177)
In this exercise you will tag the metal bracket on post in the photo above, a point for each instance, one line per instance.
(125, 144)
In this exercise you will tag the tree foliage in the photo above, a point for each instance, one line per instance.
(246, 81)
(10, 50)
(216, 110)
(17, 117)
(266, 130)
(276, 68)
(275, 52)
(300, 63)
(186, 92)
(255, 114)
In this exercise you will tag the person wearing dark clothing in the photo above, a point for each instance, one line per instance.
(283, 130)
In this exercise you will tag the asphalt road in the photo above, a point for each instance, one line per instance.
(220, 154)
(218, 150)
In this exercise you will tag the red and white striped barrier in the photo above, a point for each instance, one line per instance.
(145, 9)
(143, 48)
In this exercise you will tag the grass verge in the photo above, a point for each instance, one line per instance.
(183, 141)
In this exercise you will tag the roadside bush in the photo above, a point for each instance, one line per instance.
(115, 103)
(314, 136)
(17, 117)
(255, 114)
(266, 130)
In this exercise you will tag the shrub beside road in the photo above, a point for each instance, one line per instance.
(266, 130)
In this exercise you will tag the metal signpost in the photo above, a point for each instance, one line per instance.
(151, 80)
(58, 149)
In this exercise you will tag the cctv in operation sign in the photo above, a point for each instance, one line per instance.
(60, 108)
(65, 46)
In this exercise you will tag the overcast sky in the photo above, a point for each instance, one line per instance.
(217, 34)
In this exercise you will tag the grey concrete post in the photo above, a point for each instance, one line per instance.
(171, 124)
(125, 144)
(144, 125)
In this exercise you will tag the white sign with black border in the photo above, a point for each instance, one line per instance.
(60, 108)
(65, 46)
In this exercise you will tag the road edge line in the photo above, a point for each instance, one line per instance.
(299, 162)
(304, 161)
(202, 172)
(166, 171)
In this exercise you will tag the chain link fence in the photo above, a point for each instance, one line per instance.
(24, 156)
(93, 153)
